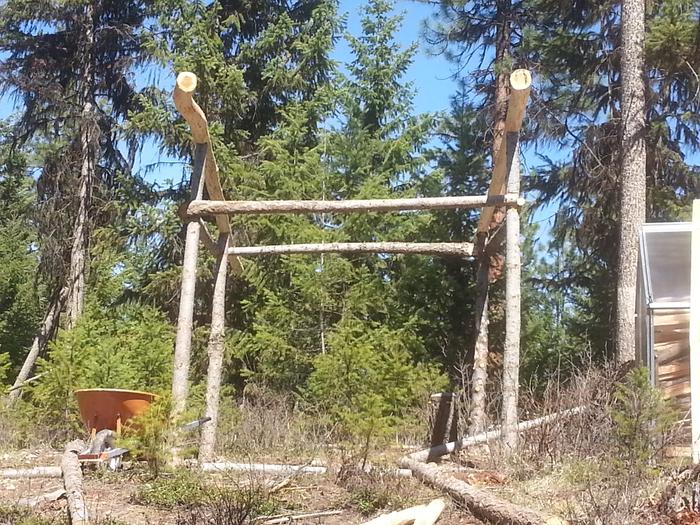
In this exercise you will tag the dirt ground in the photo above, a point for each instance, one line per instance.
(110, 496)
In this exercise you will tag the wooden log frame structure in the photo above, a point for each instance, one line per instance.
(503, 192)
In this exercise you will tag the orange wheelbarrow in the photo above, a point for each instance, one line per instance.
(104, 411)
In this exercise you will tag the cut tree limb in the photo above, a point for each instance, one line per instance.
(260, 467)
(432, 248)
(485, 437)
(73, 483)
(28, 473)
(33, 501)
(198, 208)
(46, 330)
(296, 517)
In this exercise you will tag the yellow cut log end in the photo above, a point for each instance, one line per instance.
(187, 81)
(520, 79)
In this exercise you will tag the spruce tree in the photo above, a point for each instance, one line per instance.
(69, 64)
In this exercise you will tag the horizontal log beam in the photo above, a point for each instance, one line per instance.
(433, 248)
(200, 208)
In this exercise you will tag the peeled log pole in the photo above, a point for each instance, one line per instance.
(477, 416)
(29, 473)
(185, 85)
(215, 350)
(73, 483)
(694, 335)
(520, 82)
(511, 347)
(482, 504)
(199, 208)
(183, 336)
(484, 437)
(433, 248)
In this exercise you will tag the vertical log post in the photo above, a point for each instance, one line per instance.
(695, 333)
(215, 350)
(442, 419)
(511, 353)
(477, 417)
(183, 338)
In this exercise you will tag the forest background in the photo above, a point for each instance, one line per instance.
(300, 108)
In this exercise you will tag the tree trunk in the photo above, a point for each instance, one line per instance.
(481, 319)
(215, 350)
(81, 230)
(46, 330)
(511, 349)
(183, 337)
(632, 173)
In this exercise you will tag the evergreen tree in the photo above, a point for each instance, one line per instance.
(580, 121)
(20, 292)
(69, 64)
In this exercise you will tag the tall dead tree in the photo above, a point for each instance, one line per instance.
(88, 128)
(632, 173)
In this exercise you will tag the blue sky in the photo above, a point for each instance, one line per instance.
(430, 74)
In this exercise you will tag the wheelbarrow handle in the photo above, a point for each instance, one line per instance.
(196, 423)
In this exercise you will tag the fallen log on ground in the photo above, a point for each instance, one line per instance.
(261, 467)
(490, 435)
(33, 472)
(289, 518)
(419, 515)
(482, 504)
(286, 469)
(73, 483)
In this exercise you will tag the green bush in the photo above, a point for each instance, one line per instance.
(146, 435)
(178, 488)
(643, 421)
(127, 346)
(367, 384)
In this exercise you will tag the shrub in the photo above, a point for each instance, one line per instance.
(228, 506)
(371, 491)
(368, 384)
(177, 488)
(643, 421)
(146, 435)
(127, 346)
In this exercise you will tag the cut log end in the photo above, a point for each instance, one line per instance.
(187, 81)
(520, 79)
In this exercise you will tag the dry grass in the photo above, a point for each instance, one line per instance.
(577, 467)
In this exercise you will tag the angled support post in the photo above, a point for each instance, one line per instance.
(215, 350)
